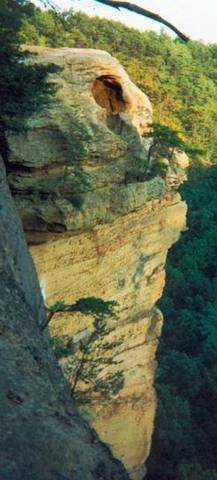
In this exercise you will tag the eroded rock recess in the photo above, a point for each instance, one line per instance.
(99, 224)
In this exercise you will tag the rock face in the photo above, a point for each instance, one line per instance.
(42, 435)
(99, 226)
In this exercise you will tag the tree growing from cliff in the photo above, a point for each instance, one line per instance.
(88, 357)
(165, 141)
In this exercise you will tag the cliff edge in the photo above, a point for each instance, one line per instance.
(100, 223)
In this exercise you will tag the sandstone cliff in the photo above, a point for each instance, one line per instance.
(99, 227)
(42, 435)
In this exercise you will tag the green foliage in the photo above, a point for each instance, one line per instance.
(63, 346)
(180, 79)
(184, 442)
(88, 306)
(23, 87)
(164, 142)
(111, 384)
(24, 90)
(96, 307)
(88, 357)
(181, 82)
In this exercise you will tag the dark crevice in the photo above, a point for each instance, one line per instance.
(108, 93)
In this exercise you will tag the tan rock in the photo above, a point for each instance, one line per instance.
(181, 159)
(123, 262)
(42, 434)
(114, 246)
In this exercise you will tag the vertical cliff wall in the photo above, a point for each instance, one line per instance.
(99, 225)
(42, 435)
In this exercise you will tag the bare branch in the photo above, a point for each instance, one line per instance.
(146, 13)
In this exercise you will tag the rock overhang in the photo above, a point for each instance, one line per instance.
(115, 242)
(77, 151)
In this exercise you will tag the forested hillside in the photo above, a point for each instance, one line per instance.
(184, 443)
(180, 81)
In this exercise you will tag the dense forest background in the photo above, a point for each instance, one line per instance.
(180, 80)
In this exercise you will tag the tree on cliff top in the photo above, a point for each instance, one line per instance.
(23, 87)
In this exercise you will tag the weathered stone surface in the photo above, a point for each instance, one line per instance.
(42, 435)
(77, 139)
(114, 245)
(123, 262)
(14, 256)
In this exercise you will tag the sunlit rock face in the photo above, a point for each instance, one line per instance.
(98, 227)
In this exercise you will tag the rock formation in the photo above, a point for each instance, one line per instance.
(42, 435)
(99, 225)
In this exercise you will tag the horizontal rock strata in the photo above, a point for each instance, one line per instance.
(99, 225)
(42, 435)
